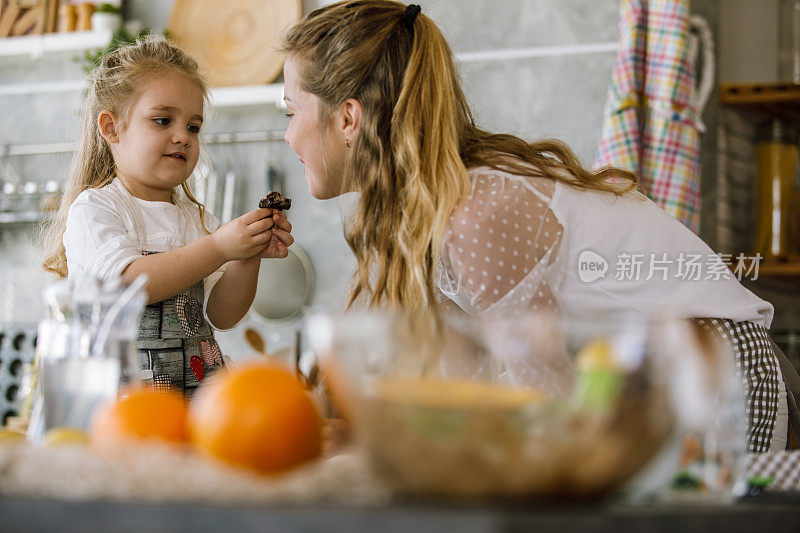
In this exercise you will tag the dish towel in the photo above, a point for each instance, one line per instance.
(651, 125)
(782, 468)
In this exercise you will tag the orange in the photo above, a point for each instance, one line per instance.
(142, 414)
(257, 416)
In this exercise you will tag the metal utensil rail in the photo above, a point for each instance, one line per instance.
(11, 193)
(210, 138)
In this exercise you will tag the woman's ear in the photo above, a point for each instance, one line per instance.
(106, 122)
(350, 119)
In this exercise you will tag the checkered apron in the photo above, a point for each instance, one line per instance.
(651, 124)
(782, 467)
(757, 366)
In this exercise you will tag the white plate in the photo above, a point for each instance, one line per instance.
(285, 288)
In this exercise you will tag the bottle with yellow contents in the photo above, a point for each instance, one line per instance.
(777, 162)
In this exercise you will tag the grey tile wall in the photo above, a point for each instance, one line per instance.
(503, 24)
(562, 97)
(710, 11)
(534, 97)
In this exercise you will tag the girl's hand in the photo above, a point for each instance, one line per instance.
(246, 236)
(281, 237)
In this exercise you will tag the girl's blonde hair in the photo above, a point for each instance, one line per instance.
(416, 140)
(114, 85)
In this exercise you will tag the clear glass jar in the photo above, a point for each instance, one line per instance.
(777, 166)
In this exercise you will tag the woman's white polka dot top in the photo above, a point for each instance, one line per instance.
(518, 242)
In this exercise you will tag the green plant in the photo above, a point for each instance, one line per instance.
(107, 8)
(120, 37)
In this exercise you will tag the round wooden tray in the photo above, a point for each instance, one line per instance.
(235, 41)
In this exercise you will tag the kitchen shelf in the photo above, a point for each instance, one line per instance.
(774, 99)
(248, 95)
(777, 269)
(780, 100)
(34, 47)
(37, 46)
(771, 269)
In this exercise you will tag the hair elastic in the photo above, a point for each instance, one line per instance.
(412, 10)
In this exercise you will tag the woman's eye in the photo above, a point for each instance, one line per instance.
(193, 129)
(162, 121)
(290, 115)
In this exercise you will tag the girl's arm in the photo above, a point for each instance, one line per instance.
(233, 294)
(172, 272)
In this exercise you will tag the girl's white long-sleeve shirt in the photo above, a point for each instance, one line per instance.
(108, 228)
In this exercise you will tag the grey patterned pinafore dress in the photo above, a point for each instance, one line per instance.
(176, 344)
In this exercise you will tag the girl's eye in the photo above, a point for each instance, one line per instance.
(162, 121)
(193, 129)
(290, 115)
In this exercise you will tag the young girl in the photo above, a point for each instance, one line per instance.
(454, 215)
(122, 214)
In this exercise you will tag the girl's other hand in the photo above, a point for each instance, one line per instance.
(278, 246)
(246, 236)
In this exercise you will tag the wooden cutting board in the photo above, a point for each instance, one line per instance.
(235, 41)
(24, 17)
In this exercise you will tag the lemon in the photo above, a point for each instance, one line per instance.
(596, 355)
(600, 380)
(59, 436)
(10, 436)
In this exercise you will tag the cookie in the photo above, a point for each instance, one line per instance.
(274, 200)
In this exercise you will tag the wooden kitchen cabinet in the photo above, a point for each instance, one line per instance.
(761, 101)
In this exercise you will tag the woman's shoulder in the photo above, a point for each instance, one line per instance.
(488, 172)
(501, 202)
(504, 186)
(526, 173)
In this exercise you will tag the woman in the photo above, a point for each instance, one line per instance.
(455, 215)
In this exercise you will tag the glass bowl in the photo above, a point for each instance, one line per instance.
(525, 406)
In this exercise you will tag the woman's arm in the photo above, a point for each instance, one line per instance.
(500, 242)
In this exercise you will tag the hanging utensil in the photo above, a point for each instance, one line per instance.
(272, 180)
(228, 195)
(212, 187)
(199, 181)
(229, 187)
(229, 209)
(256, 341)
